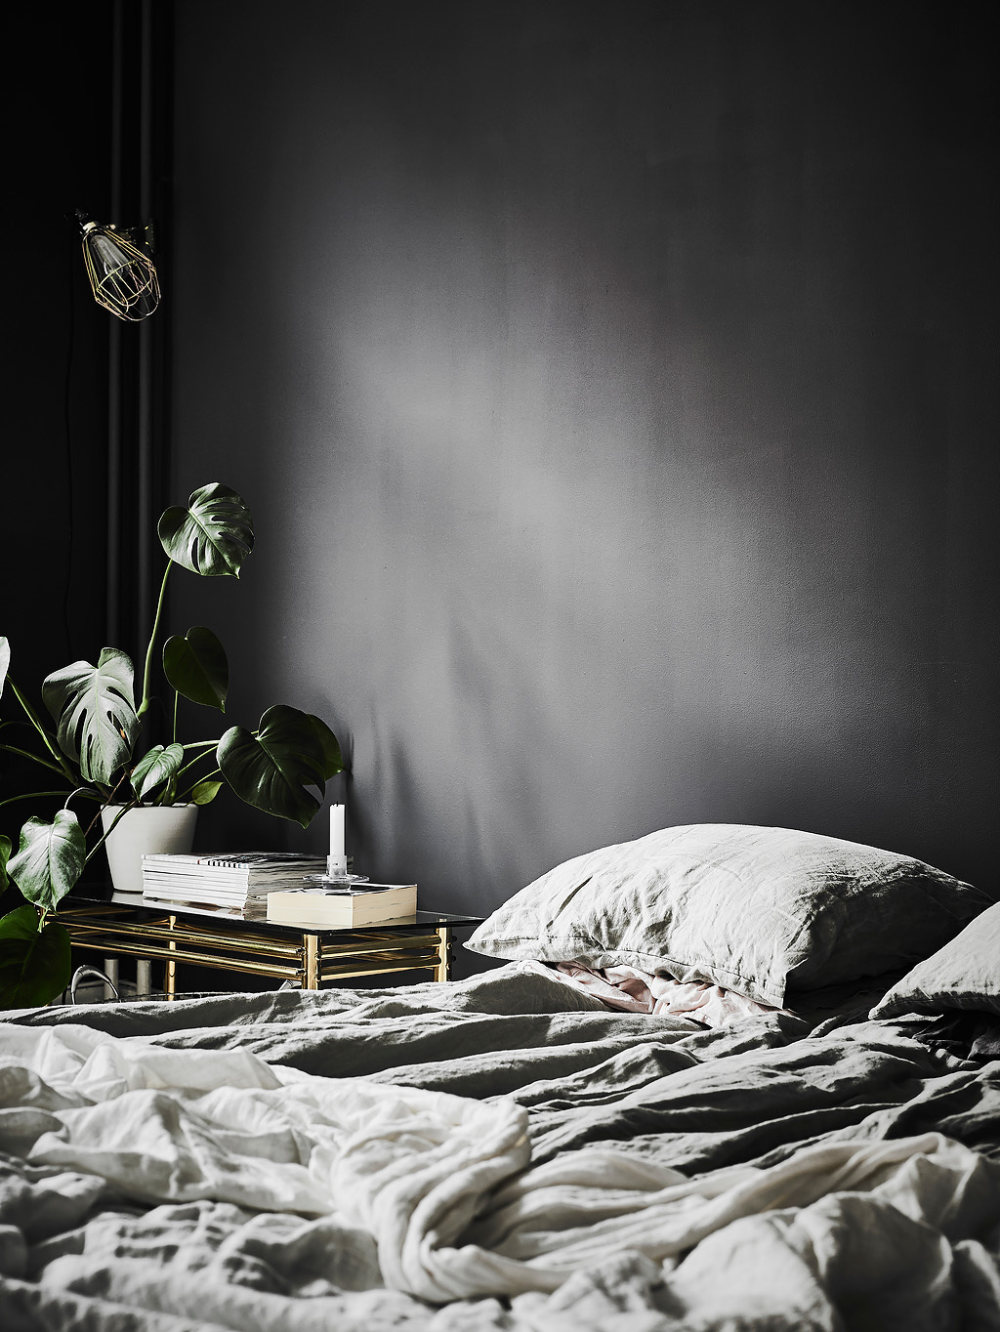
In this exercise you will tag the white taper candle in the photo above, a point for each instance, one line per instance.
(338, 851)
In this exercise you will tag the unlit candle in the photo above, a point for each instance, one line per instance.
(338, 850)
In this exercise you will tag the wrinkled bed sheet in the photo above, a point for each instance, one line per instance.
(634, 991)
(501, 1153)
(629, 990)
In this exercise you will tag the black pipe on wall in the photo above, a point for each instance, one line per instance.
(614, 386)
(138, 354)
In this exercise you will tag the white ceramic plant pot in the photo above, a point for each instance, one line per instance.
(142, 831)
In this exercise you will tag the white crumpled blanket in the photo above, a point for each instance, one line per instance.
(386, 1192)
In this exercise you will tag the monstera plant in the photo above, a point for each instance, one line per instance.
(93, 750)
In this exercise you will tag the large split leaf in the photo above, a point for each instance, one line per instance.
(333, 759)
(4, 662)
(196, 667)
(212, 536)
(271, 770)
(155, 768)
(94, 711)
(50, 858)
(34, 963)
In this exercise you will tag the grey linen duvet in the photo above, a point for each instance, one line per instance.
(502, 1153)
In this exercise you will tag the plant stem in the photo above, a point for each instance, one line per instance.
(37, 758)
(79, 790)
(197, 759)
(107, 801)
(34, 795)
(148, 671)
(101, 840)
(29, 712)
(204, 778)
(177, 699)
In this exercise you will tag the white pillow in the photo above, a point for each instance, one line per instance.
(965, 973)
(752, 909)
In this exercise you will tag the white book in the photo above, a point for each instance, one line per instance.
(230, 887)
(231, 879)
(236, 866)
(204, 908)
(339, 909)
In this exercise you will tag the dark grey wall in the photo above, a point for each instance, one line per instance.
(614, 385)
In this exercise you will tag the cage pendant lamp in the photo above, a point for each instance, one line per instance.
(122, 276)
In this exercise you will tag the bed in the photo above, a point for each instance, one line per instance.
(511, 1152)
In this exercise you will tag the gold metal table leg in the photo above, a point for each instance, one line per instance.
(171, 966)
(310, 961)
(442, 970)
(308, 956)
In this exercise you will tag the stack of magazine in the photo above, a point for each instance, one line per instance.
(231, 884)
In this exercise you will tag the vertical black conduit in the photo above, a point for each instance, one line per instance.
(136, 466)
(145, 497)
(113, 609)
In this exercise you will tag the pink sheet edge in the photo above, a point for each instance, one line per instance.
(634, 991)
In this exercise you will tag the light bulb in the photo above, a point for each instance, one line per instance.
(122, 277)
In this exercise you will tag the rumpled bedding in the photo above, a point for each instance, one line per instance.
(969, 1034)
(501, 1153)
(635, 991)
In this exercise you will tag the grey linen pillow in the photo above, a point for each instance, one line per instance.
(965, 973)
(751, 909)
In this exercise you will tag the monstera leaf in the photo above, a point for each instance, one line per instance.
(94, 711)
(34, 963)
(5, 850)
(212, 536)
(156, 767)
(4, 663)
(271, 770)
(333, 759)
(196, 667)
(50, 858)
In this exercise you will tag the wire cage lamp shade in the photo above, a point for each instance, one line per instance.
(122, 276)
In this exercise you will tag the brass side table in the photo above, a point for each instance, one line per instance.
(306, 955)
